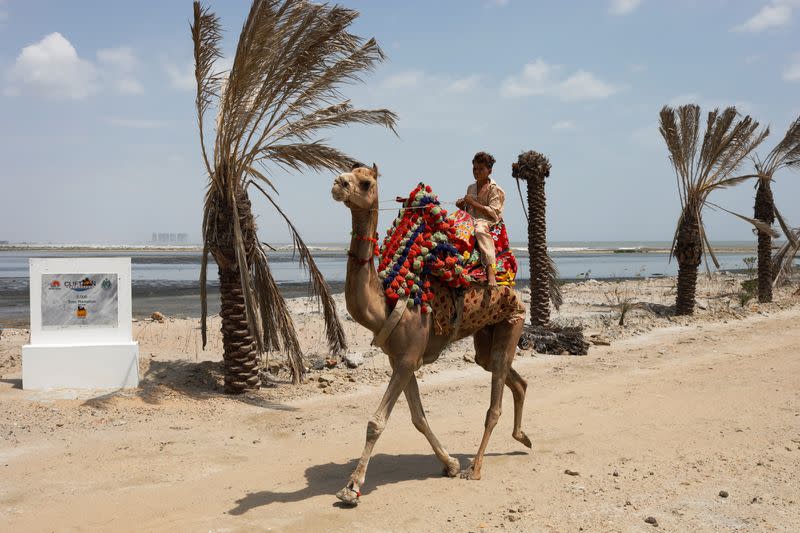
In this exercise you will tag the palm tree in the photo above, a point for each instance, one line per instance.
(727, 140)
(283, 88)
(786, 154)
(534, 167)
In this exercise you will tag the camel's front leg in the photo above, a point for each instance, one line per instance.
(399, 380)
(451, 464)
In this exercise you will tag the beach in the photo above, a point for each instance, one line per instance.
(663, 415)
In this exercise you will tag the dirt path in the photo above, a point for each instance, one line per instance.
(655, 425)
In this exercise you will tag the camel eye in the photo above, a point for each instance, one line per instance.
(364, 184)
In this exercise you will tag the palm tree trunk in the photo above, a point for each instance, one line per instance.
(765, 212)
(537, 252)
(688, 252)
(240, 350)
(240, 356)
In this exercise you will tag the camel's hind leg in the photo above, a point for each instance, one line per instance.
(502, 351)
(518, 385)
(483, 356)
(451, 464)
(397, 383)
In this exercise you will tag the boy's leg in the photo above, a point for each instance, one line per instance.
(486, 246)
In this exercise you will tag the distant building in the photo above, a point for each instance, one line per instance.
(170, 238)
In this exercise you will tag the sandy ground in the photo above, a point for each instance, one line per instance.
(675, 411)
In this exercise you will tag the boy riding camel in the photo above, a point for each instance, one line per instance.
(484, 202)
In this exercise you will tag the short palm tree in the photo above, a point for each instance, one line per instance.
(533, 168)
(703, 165)
(283, 88)
(786, 154)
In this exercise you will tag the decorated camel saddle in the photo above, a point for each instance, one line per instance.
(429, 259)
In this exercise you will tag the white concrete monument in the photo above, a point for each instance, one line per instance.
(81, 334)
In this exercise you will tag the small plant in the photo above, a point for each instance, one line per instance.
(622, 301)
(747, 292)
(750, 263)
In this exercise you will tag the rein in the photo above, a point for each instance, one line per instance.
(374, 253)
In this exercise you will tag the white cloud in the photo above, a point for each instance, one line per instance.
(414, 80)
(181, 77)
(539, 78)
(119, 66)
(121, 58)
(773, 15)
(709, 104)
(136, 123)
(404, 80)
(52, 68)
(623, 7)
(584, 86)
(564, 125)
(181, 74)
(792, 72)
(463, 85)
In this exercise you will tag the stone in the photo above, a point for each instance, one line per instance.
(723, 494)
(597, 340)
(652, 521)
(157, 316)
(354, 359)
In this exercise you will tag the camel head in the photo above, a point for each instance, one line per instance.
(357, 189)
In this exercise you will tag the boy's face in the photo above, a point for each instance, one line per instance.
(480, 171)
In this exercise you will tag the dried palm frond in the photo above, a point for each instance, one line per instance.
(319, 287)
(283, 88)
(554, 289)
(786, 153)
(703, 168)
(783, 260)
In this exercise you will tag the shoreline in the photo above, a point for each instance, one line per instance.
(519, 248)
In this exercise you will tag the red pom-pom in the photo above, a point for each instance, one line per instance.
(403, 271)
(395, 284)
(428, 188)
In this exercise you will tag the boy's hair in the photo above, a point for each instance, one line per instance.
(484, 158)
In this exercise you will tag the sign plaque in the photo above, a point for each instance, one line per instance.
(81, 333)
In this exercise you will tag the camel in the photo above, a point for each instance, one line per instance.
(413, 342)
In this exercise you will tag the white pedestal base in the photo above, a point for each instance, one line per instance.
(89, 366)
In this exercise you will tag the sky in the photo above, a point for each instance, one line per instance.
(98, 135)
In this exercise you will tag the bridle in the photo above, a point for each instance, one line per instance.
(374, 253)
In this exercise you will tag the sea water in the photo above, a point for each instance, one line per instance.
(167, 280)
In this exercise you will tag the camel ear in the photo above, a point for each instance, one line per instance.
(375, 170)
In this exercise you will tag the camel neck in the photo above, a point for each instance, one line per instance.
(362, 289)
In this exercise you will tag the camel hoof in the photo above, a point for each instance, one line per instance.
(452, 468)
(470, 473)
(348, 496)
(523, 438)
